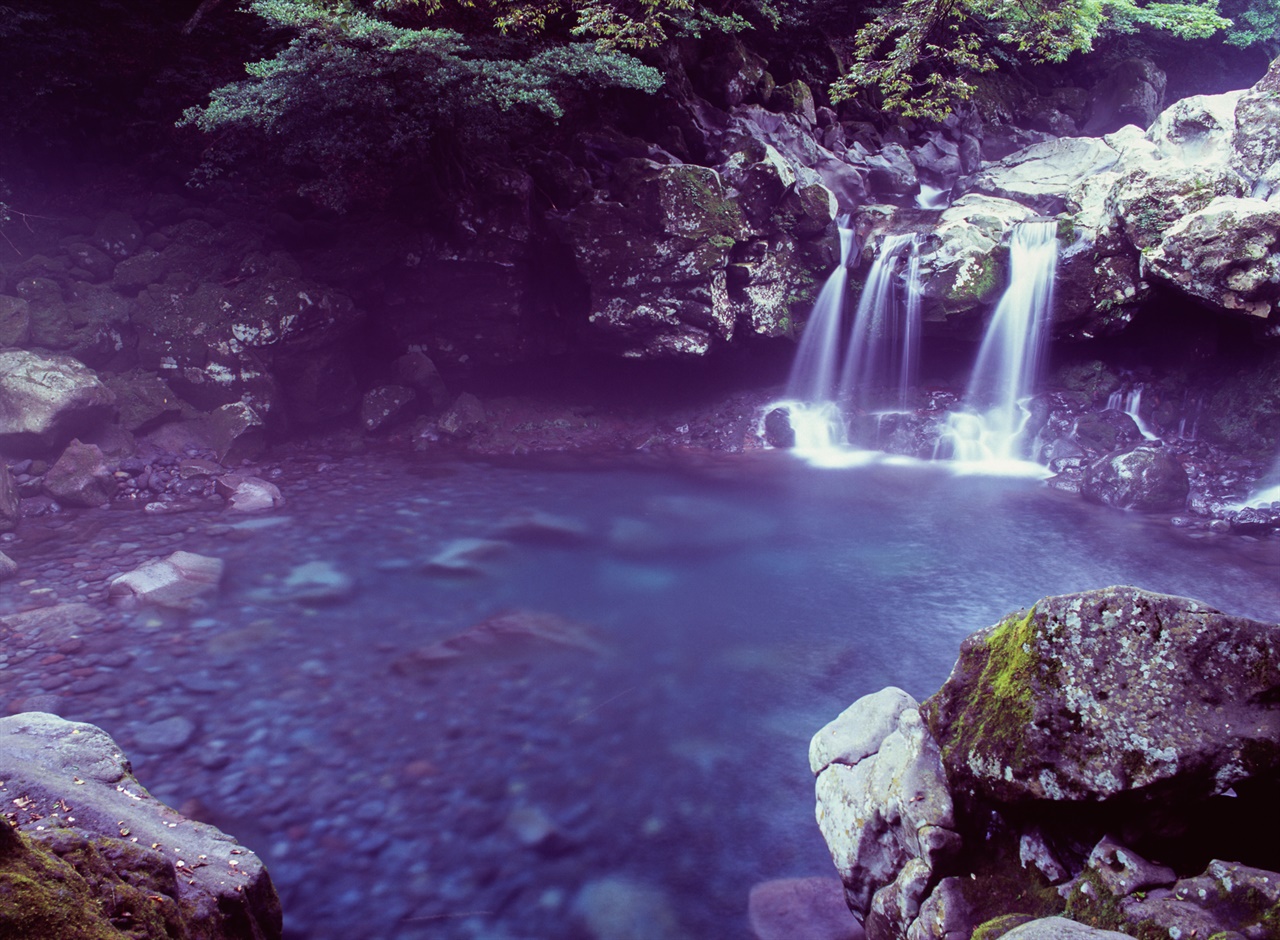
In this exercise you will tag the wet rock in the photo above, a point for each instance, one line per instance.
(10, 500)
(15, 321)
(8, 567)
(416, 370)
(884, 808)
(778, 431)
(169, 734)
(1105, 432)
(619, 908)
(245, 493)
(789, 908)
(385, 406)
(1043, 174)
(1123, 871)
(1144, 479)
(80, 477)
(1059, 928)
(143, 399)
(1131, 93)
(1145, 688)
(463, 418)
(91, 830)
(315, 582)
(542, 528)
(466, 556)
(45, 400)
(118, 235)
(237, 432)
(181, 581)
(513, 632)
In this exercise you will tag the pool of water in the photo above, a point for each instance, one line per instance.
(697, 622)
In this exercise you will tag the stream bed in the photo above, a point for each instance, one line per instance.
(501, 692)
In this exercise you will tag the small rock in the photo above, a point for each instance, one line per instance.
(316, 582)
(249, 494)
(542, 527)
(618, 908)
(179, 581)
(8, 567)
(80, 477)
(463, 556)
(170, 734)
(791, 908)
(385, 406)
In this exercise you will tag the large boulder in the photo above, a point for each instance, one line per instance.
(1087, 696)
(1144, 479)
(1041, 176)
(45, 400)
(80, 477)
(884, 808)
(94, 855)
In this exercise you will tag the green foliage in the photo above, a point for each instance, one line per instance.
(920, 56)
(358, 99)
(1254, 23)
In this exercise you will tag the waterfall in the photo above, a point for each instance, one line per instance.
(880, 328)
(908, 377)
(813, 373)
(991, 431)
(1268, 488)
(1130, 402)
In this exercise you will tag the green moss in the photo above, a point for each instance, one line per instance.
(1098, 907)
(42, 897)
(1066, 230)
(994, 720)
(998, 926)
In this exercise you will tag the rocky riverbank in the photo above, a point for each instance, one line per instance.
(1109, 753)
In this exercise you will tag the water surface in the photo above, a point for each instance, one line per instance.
(716, 614)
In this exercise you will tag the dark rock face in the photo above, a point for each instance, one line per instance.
(1143, 478)
(1091, 695)
(93, 849)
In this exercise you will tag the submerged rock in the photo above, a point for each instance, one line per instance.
(180, 581)
(512, 632)
(790, 908)
(619, 908)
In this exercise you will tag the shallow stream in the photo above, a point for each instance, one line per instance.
(696, 621)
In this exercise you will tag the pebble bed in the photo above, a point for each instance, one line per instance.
(654, 767)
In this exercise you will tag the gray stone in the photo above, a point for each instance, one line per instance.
(1123, 871)
(79, 798)
(385, 406)
(245, 493)
(237, 431)
(315, 582)
(1145, 688)
(168, 734)
(10, 500)
(15, 321)
(1144, 478)
(1042, 175)
(859, 730)
(8, 567)
(465, 556)
(181, 581)
(80, 477)
(793, 908)
(888, 817)
(1059, 928)
(618, 908)
(944, 915)
(45, 400)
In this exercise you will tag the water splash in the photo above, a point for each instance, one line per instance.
(1268, 489)
(992, 431)
(813, 373)
(1130, 402)
(883, 341)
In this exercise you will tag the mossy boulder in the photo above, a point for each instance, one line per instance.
(99, 858)
(1090, 695)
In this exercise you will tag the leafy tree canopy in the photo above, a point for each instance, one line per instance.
(920, 56)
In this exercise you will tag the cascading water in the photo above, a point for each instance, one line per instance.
(991, 432)
(884, 340)
(1268, 489)
(813, 373)
(811, 409)
(1130, 402)
(908, 376)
